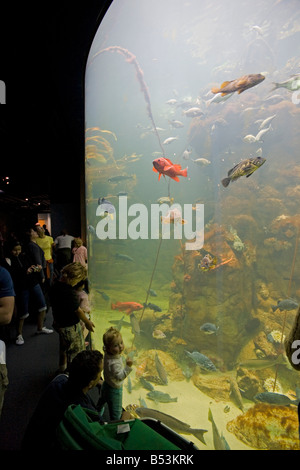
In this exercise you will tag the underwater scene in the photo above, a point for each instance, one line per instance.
(194, 107)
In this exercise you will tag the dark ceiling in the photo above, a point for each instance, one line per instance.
(43, 55)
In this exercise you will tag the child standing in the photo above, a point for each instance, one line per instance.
(114, 373)
(84, 304)
(67, 314)
(79, 252)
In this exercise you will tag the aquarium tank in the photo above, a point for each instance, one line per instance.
(192, 131)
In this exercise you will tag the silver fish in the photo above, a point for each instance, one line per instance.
(176, 124)
(160, 370)
(162, 397)
(169, 140)
(135, 324)
(202, 161)
(219, 441)
(258, 364)
(236, 394)
(171, 422)
(266, 121)
(193, 112)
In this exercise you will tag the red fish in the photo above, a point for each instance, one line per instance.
(164, 166)
(240, 84)
(127, 307)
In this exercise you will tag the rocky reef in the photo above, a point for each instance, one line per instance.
(268, 427)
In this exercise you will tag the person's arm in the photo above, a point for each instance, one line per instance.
(82, 316)
(6, 309)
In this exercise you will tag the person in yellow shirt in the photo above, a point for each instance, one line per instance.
(46, 243)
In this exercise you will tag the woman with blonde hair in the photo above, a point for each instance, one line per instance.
(67, 313)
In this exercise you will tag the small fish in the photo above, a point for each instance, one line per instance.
(127, 307)
(244, 168)
(249, 138)
(176, 124)
(124, 257)
(173, 217)
(287, 304)
(219, 441)
(120, 323)
(236, 394)
(105, 296)
(202, 161)
(164, 166)
(218, 99)
(92, 229)
(142, 403)
(152, 293)
(161, 370)
(169, 140)
(147, 385)
(129, 384)
(173, 423)
(259, 364)
(186, 154)
(266, 121)
(208, 262)
(261, 133)
(153, 307)
(158, 334)
(117, 179)
(239, 84)
(162, 397)
(275, 398)
(209, 328)
(193, 112)
(171, 102)
(141, 368)
(107, 208)
(165, 199)
(292, 84)
(203, 361)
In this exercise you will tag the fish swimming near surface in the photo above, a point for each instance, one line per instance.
(173, 423)
(244, 168)
(219, 441)
(165, 167)
(161, 370)
(127, 307)
(287, 304)
(161, 397)
(203, 361)
(209, 328)
(239, 84)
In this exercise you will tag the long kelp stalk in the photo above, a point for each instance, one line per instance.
(131, 59)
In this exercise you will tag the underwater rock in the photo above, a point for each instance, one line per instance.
(269, 427)
(248, 382)
(172, 369)
(261, 342)
(217, 388)
(269, 385)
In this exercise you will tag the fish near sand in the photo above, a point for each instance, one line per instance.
(161, 370)
(239, 84)
(173, 423)
(161, 397)
(164, 166)
(274, 398)
(244, 168)
(220, 442)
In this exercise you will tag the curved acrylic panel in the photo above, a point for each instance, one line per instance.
(192, 199)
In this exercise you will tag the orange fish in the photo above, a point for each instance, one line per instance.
(164, 166)
(240, 84)
(127, 307)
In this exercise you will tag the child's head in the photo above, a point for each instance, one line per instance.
(73, 273)
(113, 341)
(78, 242)
(14, 248)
